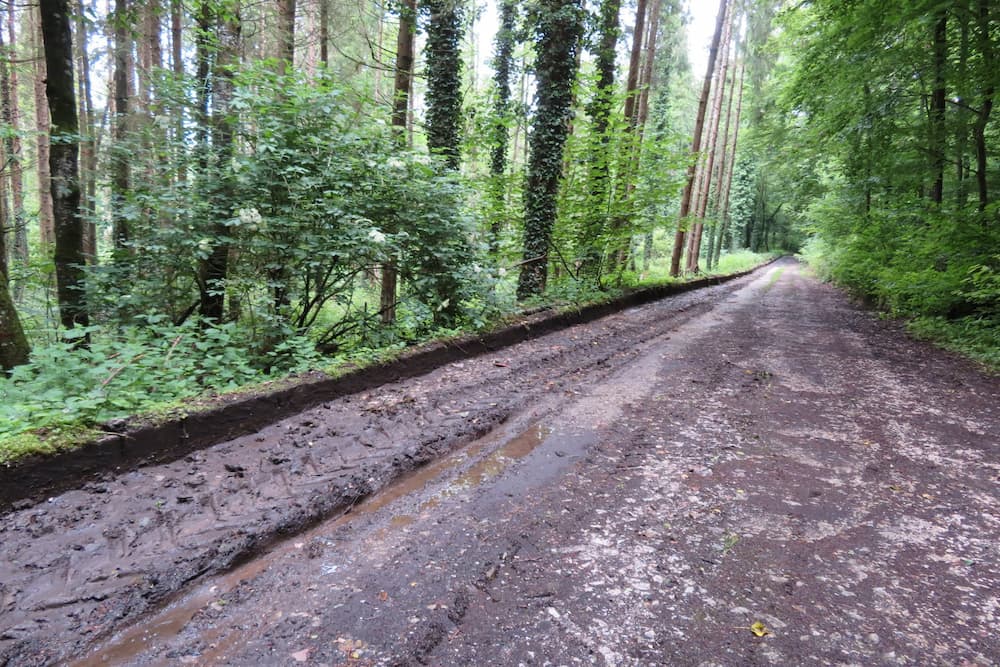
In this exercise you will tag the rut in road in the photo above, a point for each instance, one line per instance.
(74, 568)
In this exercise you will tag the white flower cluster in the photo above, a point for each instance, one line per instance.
(250, 218)
(375, 236)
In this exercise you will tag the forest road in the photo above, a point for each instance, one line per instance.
(755, 473)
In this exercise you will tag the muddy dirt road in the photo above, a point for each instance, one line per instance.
(646, 489)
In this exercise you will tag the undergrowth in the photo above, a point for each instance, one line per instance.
(69, 394)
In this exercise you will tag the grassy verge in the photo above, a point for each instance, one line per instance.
(976, 338)
(62, 400)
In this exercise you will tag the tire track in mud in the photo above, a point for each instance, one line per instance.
(78, 566)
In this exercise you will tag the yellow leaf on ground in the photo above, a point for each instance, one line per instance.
(760, 629)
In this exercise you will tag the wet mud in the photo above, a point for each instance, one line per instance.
(80, 565)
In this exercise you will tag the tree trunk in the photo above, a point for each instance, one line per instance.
(121, 155)
(557, 32)
(937, 110)
(400, 113)
(679, 238)
(214, 269)
(88, 151)
(635, 63)
(324, 32)
(59, 91)
(46, 224)
(728, 180)
(286, 35)
(715, 235)
(694, 249)
(14, 348)
(599, 173)
(444, 79)
(15, 154)
(502, 66)
(986, 104)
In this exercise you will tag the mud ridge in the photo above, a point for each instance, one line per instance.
(34, 478)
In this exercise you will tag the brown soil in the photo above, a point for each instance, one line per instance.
(639, 490)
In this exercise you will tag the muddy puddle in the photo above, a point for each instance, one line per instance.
(479, 464)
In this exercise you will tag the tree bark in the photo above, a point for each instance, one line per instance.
(685, 209)
(402, 82)
(14, 348)
(46, 224)
(15, 155)
(121, 155)
(88, 149)
(286, 34)
(63, 165)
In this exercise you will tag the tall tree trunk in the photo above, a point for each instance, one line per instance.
(599, 173)
(635, 63)
(937, 110)
(685, 209)
(715, 231)
(503, 62)
(730, 169)
(286, 34)
(402, 82)
(176, 38)
(88, 151)
(43, 124)
(15, 155)
(215, 268)
(324, 32)
(444, 79)
(63, 165)
(694, 247)
(986, 103)
(558, 27)
(121, 154)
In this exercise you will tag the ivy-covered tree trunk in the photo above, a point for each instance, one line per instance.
(558, 25)
(214, 268)
(503, 63)
(699, 125)
(444, 79)
(600, 116)
(12, 144)
(68, 223)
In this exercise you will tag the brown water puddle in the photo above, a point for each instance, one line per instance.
(172, 620)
